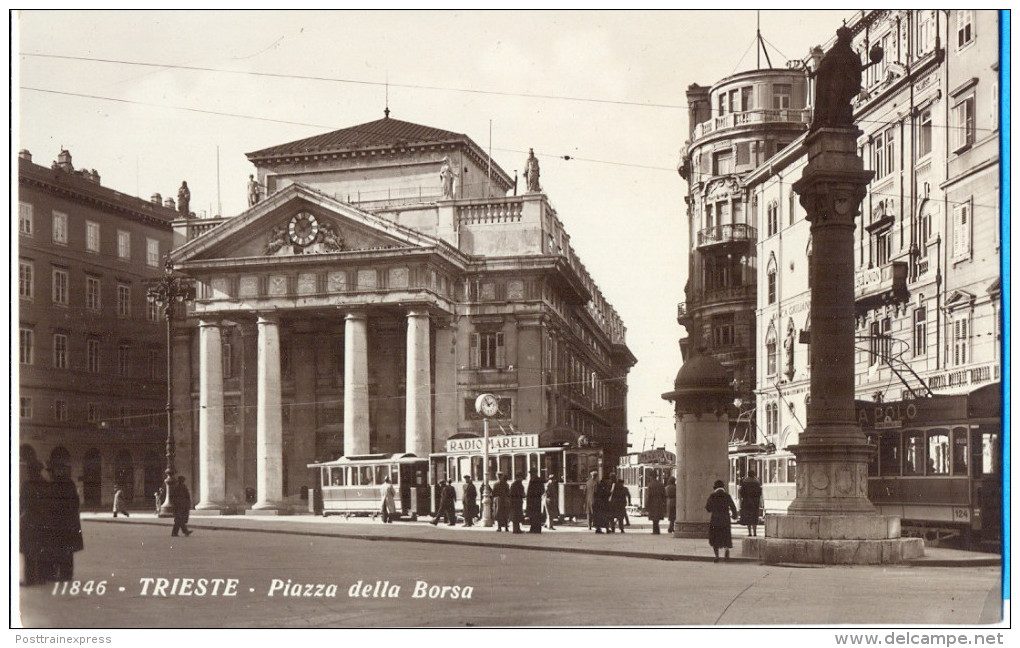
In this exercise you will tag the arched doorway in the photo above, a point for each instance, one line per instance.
(92, 478)
(152, 467)
(124, 473)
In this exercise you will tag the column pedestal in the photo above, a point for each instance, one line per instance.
(831, 520)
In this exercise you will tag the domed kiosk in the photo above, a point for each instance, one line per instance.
(701, 396)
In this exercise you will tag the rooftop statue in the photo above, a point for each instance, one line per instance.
(531, 172)
(838, 82)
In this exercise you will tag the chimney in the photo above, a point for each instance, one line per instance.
(156, 199)
(64, 161)
(95, 176)
(170, 203)
(25, 154)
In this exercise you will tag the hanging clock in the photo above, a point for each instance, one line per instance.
(303, 229)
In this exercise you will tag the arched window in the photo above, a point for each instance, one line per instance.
(770, 351)
(772, 214)
(771, 278)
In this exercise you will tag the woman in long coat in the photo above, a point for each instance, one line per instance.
(602, 511)
(750, 503)
(501, 502)
(387, 495)
(619, 498)
(62, 526)
(655, 502)
(721, 506)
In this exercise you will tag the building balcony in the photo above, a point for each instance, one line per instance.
(726, 234)
(885, 284)
(750, 118)
(719, 295)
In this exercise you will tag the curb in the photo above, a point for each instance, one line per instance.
(922, 562)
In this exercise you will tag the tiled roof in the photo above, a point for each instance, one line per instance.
(380, 133)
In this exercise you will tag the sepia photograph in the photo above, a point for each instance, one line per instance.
(317, 309)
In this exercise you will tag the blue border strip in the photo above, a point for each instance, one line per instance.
(1004, 188)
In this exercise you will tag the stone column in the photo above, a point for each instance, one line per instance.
(831, 520)
(356, 431)
(418, 421)
(211, 454)
(701, 396)
(269, 424)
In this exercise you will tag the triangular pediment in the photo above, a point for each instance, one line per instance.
(295, 221)
(958, 298)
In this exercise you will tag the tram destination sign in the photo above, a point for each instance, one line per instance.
(496, 443)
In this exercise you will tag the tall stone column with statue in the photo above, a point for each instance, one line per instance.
(831, 520)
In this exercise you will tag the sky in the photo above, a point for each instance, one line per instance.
(606, 89)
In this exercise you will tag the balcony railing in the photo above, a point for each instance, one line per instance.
(733, 233)
(747, 117)
(715, 295)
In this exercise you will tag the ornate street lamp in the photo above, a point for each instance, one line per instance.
(168, 293)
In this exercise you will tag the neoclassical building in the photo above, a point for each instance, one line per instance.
(385, 279)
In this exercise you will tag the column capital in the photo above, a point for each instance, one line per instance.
(210, 322)
(418, 311)
(354, 314)
(267, 317)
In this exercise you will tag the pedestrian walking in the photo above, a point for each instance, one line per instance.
(386, 501)
(470, 501)
(619, 498)
(180, 500)
(655, 502)
(722, 508)
(751, 503)
(501, 502)
(160, 495)
(552, 501)
(119, 501)
(536, 490)
(589, 498)
(671, 503)
(517, 495)
(447, 500)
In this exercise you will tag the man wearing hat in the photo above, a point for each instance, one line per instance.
(536, 489)
(180, 499)
(470, 501)
(589, 498)
(61, 524)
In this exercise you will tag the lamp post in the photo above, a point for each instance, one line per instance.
(488, 406)
(168, 292)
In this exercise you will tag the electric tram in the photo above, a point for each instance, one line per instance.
(637, 468)
(558, 451)
(353, 485)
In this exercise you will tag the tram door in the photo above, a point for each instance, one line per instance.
(986, 467)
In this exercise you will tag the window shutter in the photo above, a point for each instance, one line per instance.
(473, 351)
(500, 351)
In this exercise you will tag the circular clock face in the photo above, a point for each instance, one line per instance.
(487, 405)
(303, 228)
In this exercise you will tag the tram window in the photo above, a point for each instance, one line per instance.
(381, 473)
(533, 462)
(337, 476)
(990, 457)
(554, 464)
(520, 464)
(573, 471)
(960, 452)
(938, 452)
(440, 467)
(493, 468)
(463, 468)
(913, 452)
(366, 476)
(791, 470)
(889, 454)
(781, 470)
(325, 478)
(476, 468)
(504, 465)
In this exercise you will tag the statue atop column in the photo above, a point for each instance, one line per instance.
(254, 191)
(184, 199)
(531, 172)
(838, 82)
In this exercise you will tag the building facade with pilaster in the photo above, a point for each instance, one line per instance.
(385, 280)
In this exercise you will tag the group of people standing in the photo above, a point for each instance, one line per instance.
(537, 504)
(50, 523)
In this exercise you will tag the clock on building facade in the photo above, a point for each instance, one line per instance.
(303, 229)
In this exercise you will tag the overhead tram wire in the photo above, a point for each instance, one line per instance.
(712, 110)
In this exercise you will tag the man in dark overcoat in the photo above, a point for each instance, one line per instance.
(589, 497)
(517, 502)
(536, 489)
(655, 502)
(61, 530)
(180, 499)
(470, 501)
